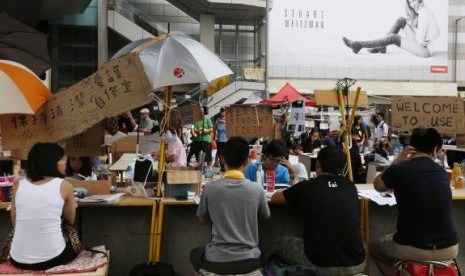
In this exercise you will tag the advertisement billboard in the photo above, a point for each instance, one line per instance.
(361, 39)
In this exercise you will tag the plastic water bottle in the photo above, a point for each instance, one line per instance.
(457, 176)
(462, 169)
(260, 176)
(270, 180)
(128, 176)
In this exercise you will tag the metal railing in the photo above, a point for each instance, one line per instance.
(137, 16)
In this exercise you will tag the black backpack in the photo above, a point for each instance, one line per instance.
(153, 269)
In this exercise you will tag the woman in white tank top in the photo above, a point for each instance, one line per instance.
(38, 205)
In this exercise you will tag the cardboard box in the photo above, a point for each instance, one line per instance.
(94, 187)
(179, 182)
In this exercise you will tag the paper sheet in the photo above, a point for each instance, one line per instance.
(379, 198)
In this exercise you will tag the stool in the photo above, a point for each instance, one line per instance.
(412, 268)
(256, 272)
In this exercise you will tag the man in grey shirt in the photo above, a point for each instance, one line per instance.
(233, 205)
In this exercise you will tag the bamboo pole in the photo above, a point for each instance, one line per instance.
(345, 135)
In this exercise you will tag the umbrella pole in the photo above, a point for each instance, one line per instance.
(163, 146)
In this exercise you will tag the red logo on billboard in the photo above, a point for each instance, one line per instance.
(178, 72)
(438, 69)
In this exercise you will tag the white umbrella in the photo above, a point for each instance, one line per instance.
(174, 59)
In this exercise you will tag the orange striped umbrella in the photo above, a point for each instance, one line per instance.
(21, 91)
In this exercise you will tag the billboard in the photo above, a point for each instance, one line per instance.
(307, 39)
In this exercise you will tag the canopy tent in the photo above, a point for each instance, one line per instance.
(288, 94)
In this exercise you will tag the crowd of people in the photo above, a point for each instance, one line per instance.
(331, 242)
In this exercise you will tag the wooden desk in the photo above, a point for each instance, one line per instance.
(127, 159)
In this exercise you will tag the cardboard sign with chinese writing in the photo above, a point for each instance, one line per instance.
(445, 114)
(117, 87)
(249, 121)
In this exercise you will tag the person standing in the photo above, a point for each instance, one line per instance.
(202, 137)
(382, 128)
(425, 229)
(233, 206)
(146, 124)
(328, 205)
(221, 136)
(38, 205)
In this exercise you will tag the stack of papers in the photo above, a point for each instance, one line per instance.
(379, 198)
(112, 198)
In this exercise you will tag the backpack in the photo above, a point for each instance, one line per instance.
(278, 266)
(153, 269)
(389, 134)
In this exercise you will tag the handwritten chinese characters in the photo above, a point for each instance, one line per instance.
(118, 86)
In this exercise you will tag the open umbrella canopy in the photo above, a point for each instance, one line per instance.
(174, 59)
(21, 91)
(23, 44)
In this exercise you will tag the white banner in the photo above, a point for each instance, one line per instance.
(306, 39)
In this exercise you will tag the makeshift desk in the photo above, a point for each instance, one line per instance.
(381, 219)
(178, 230)
(127, 159)
(124, 232)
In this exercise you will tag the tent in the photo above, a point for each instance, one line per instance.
(288, 94)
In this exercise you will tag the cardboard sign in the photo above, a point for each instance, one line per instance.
(117, 87)
(88, 143)
(249, 121)
(445, 114)
(189, 114)
(329, 97)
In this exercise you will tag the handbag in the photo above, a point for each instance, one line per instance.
(278, 266)
(71, 235)
(5, 251)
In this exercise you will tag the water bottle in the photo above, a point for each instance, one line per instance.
(260, 176)
(270, 180)
(457, 176)
(462, 169)
(128, 176)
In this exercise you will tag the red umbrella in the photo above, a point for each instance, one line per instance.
(23, 44)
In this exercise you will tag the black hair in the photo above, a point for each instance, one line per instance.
(425, 139)
(86, 168)
(42, 161)
(332, 160)
(381, 114)
(275, 148)
(235, 152)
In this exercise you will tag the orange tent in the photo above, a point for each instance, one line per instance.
(288, 94)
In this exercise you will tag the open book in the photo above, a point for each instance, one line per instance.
(112, 198)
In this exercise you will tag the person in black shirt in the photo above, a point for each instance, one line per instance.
(329, 207)
(425, 231)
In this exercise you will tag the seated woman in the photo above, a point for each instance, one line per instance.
(176, 154)
(313, 143)
(79, 167)
(38, 205)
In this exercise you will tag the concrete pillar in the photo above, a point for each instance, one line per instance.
(207, 31)
(102, 30)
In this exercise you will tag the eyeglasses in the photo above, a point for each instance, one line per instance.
(275, 159)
